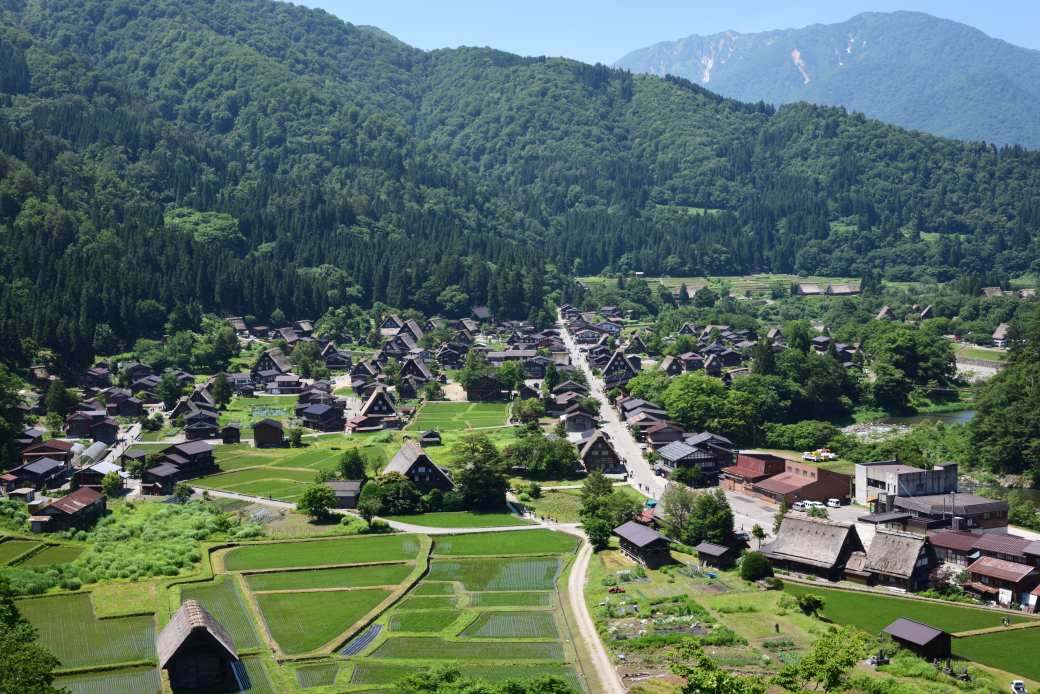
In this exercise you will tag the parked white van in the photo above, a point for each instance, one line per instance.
(799, 506)
(834, 503)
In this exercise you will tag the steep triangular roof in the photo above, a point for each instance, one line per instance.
(192, 619)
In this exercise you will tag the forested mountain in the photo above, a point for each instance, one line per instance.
(907, 68)
(138, 137)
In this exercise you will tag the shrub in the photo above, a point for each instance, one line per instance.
(608, 581)
(755, 567)
(379, 526)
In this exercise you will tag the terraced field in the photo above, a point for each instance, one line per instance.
(465, 519)
(355, 577)
(131, 682)
(428, 603)
(511, 599)
(423, 622)
(12, 549)
(519, 542)
(497, 674)
(223, 602)
(382, 674)
(513, 625)
(432, 588)
(53, 555)
(449, 416)
(418, 648)
(323, 553)
(302, 622)
(67, 627)
(317, 676)
(498, 574)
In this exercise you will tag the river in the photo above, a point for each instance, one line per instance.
(956, 417)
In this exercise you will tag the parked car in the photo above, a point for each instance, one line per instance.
(816, 504)
(1018, 687)
(834, 503)
(642, 447)
(799, 506)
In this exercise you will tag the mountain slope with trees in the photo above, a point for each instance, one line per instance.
(171, 158)
(907, 68)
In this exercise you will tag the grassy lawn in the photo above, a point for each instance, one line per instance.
(323, 553)
(562, 504)
(872, 612)
(465, 519)
(356, 577)
(1011, 651)
(449, 416)
(532, 573)
(493, 544)
(302, 622)
(977, 353)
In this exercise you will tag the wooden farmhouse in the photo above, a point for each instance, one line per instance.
(813, 547)
(644, 545)
(196, 650)
(415, 464)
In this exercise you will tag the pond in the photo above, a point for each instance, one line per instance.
(1029, 494)
(956, 417)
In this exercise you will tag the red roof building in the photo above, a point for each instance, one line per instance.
(68, 512)
(751, 468)
(1002, 581)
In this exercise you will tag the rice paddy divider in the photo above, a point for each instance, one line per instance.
(112, 667)
(297, 569)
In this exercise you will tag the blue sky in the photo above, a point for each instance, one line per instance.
(604, 30)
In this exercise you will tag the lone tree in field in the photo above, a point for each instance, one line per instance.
(182, 492)
(352, 465)
(316, 500)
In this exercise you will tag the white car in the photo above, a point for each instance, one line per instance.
(816, 504)
(642, 447)
(834, 503)
(1018, 687)
(799, 505)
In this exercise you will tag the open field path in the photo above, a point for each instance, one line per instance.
(607, 675)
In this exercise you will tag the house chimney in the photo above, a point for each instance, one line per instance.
(895, 456)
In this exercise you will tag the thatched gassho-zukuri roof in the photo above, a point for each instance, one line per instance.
(894, 553)
(814, 541)
(190, 619)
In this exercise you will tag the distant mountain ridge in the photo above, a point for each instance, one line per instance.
(906, 68)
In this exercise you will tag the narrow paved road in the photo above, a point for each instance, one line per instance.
(600, 661)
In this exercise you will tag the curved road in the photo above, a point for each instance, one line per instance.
(599, 660)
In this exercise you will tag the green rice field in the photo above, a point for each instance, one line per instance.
(382, 674)
(323, 552)
(432, 588)
(12, 549)
(419, 648)
(356, 577)
(253, 676)
(302, 622)
(418, 622)
(511, 599)
(449, 416)
(465, 519)
(513, 625)
(317, 676)
(497, 674)
(67, 627)
(223, 602)
(1011, 651)
(131, 682)
(872, 612)
(498, 574)
(53, 555)
(428, 603)
(492, 544)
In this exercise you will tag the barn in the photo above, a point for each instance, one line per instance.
(196, 650)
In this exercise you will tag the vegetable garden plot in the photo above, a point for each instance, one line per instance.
(12, 549)
(223, 602)
(382, 674)
(317, 676)
(518, 542)
(419, 622)
(498, 574)
(135, 682)
(356, 577)
(429, 588)
(428, 603)
(67, 627)
(323, 552)
(418, 648)
(302, 622)
(511, 599)
(519, 625)
(497, 674)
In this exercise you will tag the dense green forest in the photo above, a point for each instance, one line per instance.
(182, 156)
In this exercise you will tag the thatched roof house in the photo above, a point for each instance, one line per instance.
(895, 560)
(196, 649)
(813, 546)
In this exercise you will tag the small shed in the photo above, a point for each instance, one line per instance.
(196, 650)
(925, 641)
(267, 433)
(646, 546)
(715, 556)
(346, 491)
(232, 433)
